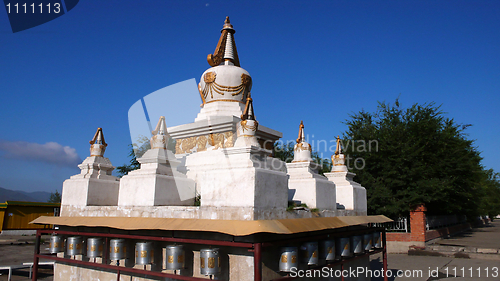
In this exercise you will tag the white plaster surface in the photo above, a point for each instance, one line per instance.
(239, 177)
(157, 182)
(309, 187)
(93, 186)
(349, 193)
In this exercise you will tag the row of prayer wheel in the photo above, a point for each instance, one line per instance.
(311, 253)
(144, 253)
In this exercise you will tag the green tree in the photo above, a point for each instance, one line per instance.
(490, 204)
(132, 165)
(55, 197)
(420, 157)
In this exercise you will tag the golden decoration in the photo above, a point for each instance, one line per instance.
(70, 246)
(170, 259)
(226, 100)
(144, 254)
(92, 248)
(229, 136)
(249, 128)
(201, 141)
(284, 258)
(211, 86)
(202, 262)
(218, 140)
(294, 258)
(211, 262)
(209, 77)
(303, 146)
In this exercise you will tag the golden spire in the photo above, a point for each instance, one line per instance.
(248, 112)
(301, 132)
(220, 53)
(98, 138)
(339, 148)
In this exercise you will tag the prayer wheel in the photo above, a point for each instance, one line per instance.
(327, 250)
(117, 249)
(94, 247)
(175, 257)
(210, 261)
(344, 248)
(377, 240)
(288, 259)
(74, 246)
(144, 253)
(357, 244)
(309, 253)
(56, 244)
(367, 241)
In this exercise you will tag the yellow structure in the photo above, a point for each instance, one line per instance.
(16, 215)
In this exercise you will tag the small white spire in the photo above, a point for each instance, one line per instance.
(160, 135)
(98, 144)
(161, 127)
(338, 159)
(302, 150)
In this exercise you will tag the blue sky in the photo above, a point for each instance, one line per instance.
(316, 61)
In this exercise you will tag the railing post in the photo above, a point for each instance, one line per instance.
(34, 275)
(257, 258)
(384, 255)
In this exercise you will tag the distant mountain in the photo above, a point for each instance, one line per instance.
(15, 195)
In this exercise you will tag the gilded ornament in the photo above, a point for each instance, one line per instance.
(209, 77)
(229, 139)
(218, 140)
(249, 128)
(201, 141)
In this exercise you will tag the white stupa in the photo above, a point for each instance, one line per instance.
(305, 184)
(224, 89)
(350, 194)
(94, 186)
(157, 182)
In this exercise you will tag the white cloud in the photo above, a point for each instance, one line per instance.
(51, 152)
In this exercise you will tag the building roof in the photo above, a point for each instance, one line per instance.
(25, 203)
(231, 227)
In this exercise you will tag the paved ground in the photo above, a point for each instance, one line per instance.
(486, 236)
(15, 250)
(419, 266)
(478, 250)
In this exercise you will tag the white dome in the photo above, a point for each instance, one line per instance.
(227, 83)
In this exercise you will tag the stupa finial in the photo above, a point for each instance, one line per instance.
(301, 137)
(302, 150)
(339, 147)
(97, 144)
(161, 127)
(226, 48)
(160, 135)
(338, 159)
(248, 113)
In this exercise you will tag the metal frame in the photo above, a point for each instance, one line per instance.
(256, 248)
